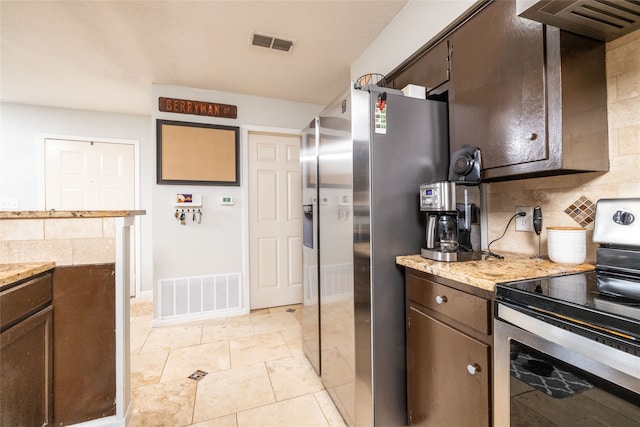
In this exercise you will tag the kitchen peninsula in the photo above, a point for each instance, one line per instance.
(85, 257)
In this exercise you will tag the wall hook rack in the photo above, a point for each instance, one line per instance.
(182, 215)
(188, 205)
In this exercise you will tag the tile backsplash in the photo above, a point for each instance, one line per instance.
(582, 211)
(562, 197)
(63, 241)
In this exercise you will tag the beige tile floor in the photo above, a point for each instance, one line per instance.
(257, 373)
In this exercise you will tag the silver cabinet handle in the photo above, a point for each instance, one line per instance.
(472, 369)
(441, 299)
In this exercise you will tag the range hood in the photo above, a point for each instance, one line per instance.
(604, 20)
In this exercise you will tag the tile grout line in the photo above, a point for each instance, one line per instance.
(290, 356)
(321, 408)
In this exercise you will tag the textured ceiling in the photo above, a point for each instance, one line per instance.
(104, 55)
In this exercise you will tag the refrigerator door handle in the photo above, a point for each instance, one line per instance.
(307, 225)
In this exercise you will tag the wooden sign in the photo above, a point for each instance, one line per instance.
(199, 108)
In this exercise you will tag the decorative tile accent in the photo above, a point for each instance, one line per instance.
(582, 211)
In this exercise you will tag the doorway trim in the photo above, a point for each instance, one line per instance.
(42, 137)
(244, 152)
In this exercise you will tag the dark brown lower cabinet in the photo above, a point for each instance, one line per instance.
(57, 347)
(25, 372)
(448, 362)
(26, 367)
(84, 343)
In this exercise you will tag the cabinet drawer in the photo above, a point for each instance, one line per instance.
(469, 309)
(24, 299)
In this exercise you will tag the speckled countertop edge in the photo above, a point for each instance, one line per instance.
(484, 274)
(10, 273)
(67, 214)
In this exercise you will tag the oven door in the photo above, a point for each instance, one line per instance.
(545, 375)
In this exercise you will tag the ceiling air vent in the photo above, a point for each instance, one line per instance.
(604, 20)
(271, 42)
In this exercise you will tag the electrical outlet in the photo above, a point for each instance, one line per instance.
(8, 204)
(524, 223)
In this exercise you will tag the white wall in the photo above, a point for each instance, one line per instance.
(22, 156)
(219, 244)
(417, 23)
(167, 249)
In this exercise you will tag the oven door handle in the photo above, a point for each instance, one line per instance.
(603, 354)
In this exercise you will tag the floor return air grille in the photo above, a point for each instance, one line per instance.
(199, 295)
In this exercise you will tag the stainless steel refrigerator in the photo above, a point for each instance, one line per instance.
(363, 160)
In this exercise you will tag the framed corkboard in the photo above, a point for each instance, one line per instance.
(197, 153)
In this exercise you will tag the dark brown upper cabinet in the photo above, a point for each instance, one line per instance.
(532, 97)
(430, 70)
(497, 99)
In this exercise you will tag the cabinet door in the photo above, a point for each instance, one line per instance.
(26, 372)
(497, 94)
(84, 343)
(430, 70)
(447, 375)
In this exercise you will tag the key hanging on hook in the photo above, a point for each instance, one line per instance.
(199, 216)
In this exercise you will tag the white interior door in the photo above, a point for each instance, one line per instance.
(275, 228)
(88, 175)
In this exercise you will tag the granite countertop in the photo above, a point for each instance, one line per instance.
(485, 274)
(67, 214)
(10, 273)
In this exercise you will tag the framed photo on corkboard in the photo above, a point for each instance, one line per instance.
(197, 153)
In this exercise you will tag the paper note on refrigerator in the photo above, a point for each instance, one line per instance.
(380, 115)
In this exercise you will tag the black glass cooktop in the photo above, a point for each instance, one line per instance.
(576, 299)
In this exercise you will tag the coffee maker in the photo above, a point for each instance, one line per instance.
(452, 229)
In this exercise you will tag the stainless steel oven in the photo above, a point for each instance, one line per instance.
(567, 348)
(555, 370)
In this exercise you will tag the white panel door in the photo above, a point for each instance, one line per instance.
(275, 227)
(87, 175)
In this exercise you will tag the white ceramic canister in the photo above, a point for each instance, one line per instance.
(567, 245)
